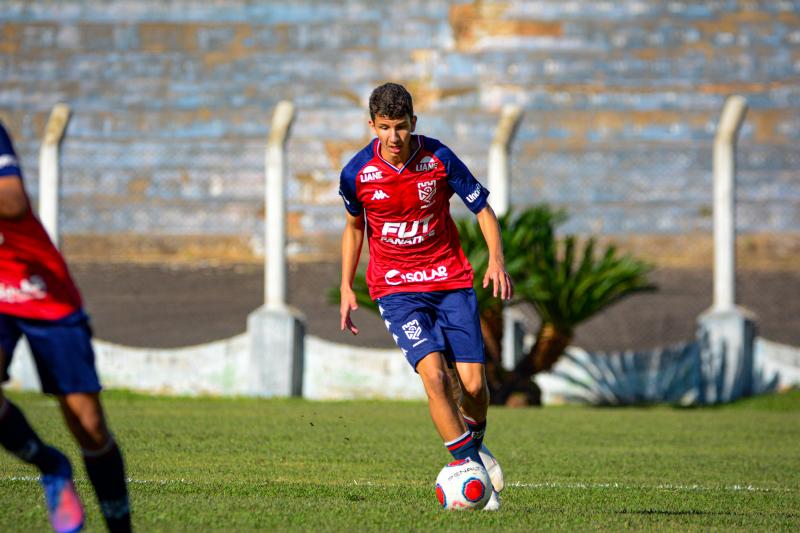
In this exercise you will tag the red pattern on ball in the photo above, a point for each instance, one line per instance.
(440, 495)
(474, 490)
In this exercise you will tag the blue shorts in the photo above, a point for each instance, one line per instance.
(439, 321)
(61, 349)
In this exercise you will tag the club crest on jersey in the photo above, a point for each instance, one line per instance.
(412, 330)
(370, 173)
(426, 190)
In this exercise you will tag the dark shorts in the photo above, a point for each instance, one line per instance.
(439, 321)
(61, 349)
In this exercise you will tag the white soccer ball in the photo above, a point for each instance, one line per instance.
(463, 484)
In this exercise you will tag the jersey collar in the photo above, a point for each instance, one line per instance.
(410, 158)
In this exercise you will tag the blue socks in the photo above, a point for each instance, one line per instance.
(478, 429)
(17, 436)
(106, 471)
(465, 447)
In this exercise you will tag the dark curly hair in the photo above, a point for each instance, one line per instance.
(390, 100)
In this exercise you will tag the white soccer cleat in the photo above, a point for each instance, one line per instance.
(493, 467)
(494, 502)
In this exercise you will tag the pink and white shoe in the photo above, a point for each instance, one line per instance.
(63, 503)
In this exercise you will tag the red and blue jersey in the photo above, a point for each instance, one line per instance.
(34, 280)
(413, 241)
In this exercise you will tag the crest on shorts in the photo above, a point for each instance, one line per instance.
(427, 191)
(412, 329)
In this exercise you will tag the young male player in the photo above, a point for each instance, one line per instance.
(38, 299)
(398, 189)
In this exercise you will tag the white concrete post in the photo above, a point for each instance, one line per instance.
(500, 186)
(726, 333)
(276, 331)
(499, 151)
(275, 204)
(725, 203)
(49, 169)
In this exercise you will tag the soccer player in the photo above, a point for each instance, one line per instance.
(398, 189)
(38, 299)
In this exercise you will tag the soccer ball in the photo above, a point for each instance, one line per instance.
(463, 484)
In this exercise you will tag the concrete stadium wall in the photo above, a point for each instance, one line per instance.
(226, 367)
(172, 102)
(335, 371)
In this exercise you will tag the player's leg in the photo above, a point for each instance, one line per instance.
(474, 408)
(408, 317)
(444, 411)
(474, 397)
(83, 413)
(19, 438)
(458, 314)
(65, 358)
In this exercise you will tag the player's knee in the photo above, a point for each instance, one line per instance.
(476, 389)
(437, 382)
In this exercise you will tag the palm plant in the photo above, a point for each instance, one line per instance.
(564, 286)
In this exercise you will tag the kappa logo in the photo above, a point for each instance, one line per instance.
(427, 163)
(412, 329)
(371, 173)
(427, 190)
(380, 195)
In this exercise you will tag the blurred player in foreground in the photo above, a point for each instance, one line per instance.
(38, 299)
(398, 189)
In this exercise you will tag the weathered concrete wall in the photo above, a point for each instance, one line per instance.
(172, 103)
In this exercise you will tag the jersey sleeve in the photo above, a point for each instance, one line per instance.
(472, 193)
(347, 190)
(8, 158)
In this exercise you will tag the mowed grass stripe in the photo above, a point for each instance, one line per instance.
(516, 484)
(293, 465)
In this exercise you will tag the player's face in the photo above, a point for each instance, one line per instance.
(395, 137)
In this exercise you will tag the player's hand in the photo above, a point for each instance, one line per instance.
(501, 282)
(348, 303)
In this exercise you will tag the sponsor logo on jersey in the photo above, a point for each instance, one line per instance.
(427, 163)
(427, 190)
(380, 195)
(412, 329)
(8, 160)
(404, 233)
(32, 288)
(395, 277)
(370, 173)
(471, 197)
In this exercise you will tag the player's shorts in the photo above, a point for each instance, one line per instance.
(61, 349)
(439, 321)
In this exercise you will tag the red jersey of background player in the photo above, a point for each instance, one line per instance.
(413, 241)
(34, 280)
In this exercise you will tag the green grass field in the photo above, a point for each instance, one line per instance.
(242, 465)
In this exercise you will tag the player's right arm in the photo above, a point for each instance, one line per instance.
(352, 240)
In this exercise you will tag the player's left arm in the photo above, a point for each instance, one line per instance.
(496, 270)
(13, 200)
